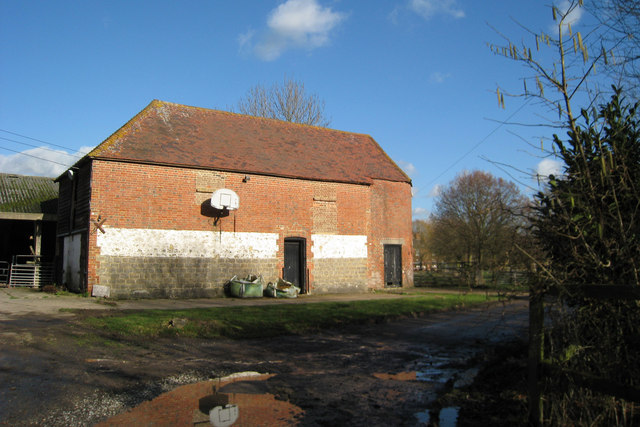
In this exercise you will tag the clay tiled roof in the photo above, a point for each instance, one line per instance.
(174, 134)
(28, 194)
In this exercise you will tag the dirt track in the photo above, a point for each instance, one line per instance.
(54, 371)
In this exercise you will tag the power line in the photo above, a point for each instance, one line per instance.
(66, 165)
(43, 148)
(35, 139)
(482, 141)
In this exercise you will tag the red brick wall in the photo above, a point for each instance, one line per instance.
(390, 224)
(156, 197)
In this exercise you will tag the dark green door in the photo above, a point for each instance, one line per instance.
(393, 265)
(295, 265)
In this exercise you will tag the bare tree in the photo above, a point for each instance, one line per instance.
(287, 101)
(422, 232)
(620, 21)
(555, 77)
(476, 220)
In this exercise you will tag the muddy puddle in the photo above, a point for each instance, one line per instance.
(240, 400)
(246, 398)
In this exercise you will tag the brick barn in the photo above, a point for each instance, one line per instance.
(326, 209)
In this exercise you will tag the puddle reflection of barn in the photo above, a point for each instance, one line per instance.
(190, 404)
(28, 215)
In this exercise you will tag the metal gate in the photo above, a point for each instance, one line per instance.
(29, 270)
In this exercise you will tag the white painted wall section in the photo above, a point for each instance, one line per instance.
(338, 246)
(186, 244)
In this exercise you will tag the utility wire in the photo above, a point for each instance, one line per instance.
(479, 143)
(43, 148)
(35, 139)
(66, 165)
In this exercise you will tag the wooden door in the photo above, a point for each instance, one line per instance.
(393, 265)
(295, 265)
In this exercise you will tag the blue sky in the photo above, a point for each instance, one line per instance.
(416, 75)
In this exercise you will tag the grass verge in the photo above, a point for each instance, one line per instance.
(273, 320)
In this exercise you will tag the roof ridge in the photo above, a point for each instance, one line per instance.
(17, 175)
(233, 113)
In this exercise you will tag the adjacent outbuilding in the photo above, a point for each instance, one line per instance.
(28, 214)
(180, 199)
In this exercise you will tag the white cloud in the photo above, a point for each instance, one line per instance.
(429, 8)
(548, 167)
(420, 213)
(407, 167)
(40, 161)
(295, 24)
(438, 77)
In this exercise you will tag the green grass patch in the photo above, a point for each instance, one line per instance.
(273, 320)
(93, 340)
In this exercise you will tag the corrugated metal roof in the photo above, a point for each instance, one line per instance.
(174, 134)
(28, 194)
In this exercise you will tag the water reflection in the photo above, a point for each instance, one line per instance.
(244, 402)
(244, 399)
(241, 398)
(443, 372)
(447, 417)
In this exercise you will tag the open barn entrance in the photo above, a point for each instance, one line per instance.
(22, 239)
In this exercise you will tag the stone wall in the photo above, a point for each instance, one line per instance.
(183, 277)
(336, 275)
(339, 263)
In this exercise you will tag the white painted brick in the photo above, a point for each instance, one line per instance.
(186, 243)
(338, 246)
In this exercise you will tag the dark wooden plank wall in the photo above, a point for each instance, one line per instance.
(74, 201)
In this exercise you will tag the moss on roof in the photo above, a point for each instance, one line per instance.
(28, 194)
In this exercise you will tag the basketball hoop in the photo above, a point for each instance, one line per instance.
(225, 199)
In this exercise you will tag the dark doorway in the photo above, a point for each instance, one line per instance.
(18, 237)
(295, 262)
(393, 265)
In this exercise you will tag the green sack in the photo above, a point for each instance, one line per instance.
(282, 289)
(251, 287)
